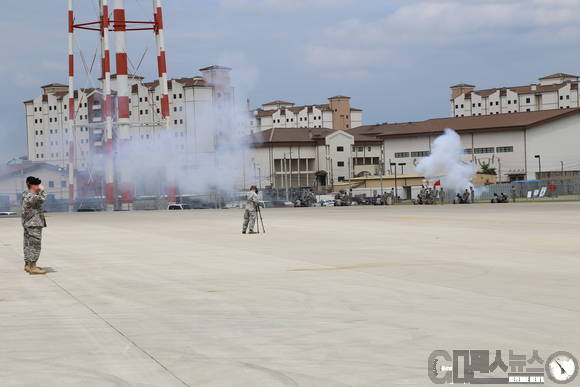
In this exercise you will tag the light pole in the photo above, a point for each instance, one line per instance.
(396, 194)
(562, 169)
(539, 166)
(402, 165)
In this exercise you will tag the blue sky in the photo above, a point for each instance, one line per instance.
(395, 58)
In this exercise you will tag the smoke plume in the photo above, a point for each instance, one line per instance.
(446, 161)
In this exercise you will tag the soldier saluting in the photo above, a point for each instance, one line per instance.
(33, 222)
(252, 203)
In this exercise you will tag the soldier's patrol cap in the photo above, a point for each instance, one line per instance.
(33, 180)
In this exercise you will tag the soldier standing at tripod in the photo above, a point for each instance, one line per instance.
(252, 204)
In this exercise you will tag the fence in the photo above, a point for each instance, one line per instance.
(527, 190)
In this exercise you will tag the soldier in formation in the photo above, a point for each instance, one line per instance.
(252, 203)
(33, 222)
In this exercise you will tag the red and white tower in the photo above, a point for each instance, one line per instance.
(162, 70)
(107, 107)
(71, 108)
(116, 175)
(123, 123)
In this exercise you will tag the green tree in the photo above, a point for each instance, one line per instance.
(486, 169)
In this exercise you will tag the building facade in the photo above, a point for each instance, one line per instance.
(312, 157)
(556, 91)
(336, 114)
(197, 107)
(507, 142)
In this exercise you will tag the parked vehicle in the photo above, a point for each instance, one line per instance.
(177, 206)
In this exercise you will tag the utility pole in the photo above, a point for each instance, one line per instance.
(499, 166)
(396, 191)
(562, 169)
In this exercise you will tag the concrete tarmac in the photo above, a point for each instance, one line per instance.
(356, 296)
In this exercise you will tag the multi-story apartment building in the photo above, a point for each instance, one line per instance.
(336, 114)
(309, 157)
(556, 91)
(196, 104)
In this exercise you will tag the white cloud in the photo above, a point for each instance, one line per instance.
(429, 25)
(343, 57)
(284, 5)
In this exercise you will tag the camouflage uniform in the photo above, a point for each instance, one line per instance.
(33, 222)
(250, 212)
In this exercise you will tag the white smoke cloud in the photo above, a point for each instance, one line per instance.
(446, 161)
(211, 153)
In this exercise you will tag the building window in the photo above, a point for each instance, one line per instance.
(491, 104)
(401, 155)
(503, 149)
(561, 97)
(174, 96)
(340, 149)
(567, 97)
(175, 108)
(528, 100)
(340, 164)
(420, 154)
(140, 99)
(528, 110)
(341, 178)
(462, 106)
(369, 148)
(181, 108)
(157, 110)
(468, 151)
(34, 109)
(180, 96)
(509, 101)
(146, 111)
(175, 122)
(181, 121)
(51, 184)
(483, 150)
(479, 104)
(140, 111)
(63, 184)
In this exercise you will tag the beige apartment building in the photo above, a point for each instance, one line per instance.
(336, 114)
(312, 157)
(556, 91)
(196, 116)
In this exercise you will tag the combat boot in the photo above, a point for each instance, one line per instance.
(27, 267)
(243, 231)
(35, 270)
(252, 232)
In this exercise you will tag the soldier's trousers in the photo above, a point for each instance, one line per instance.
(249, 219)
(32, 243)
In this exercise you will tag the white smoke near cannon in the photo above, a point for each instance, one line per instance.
(446, 163)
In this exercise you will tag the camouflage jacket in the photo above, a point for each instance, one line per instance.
(32, 212)
(252, 201)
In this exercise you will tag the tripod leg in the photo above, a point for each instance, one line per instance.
(262, 220)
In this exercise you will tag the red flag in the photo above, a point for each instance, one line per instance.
(438, 182)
